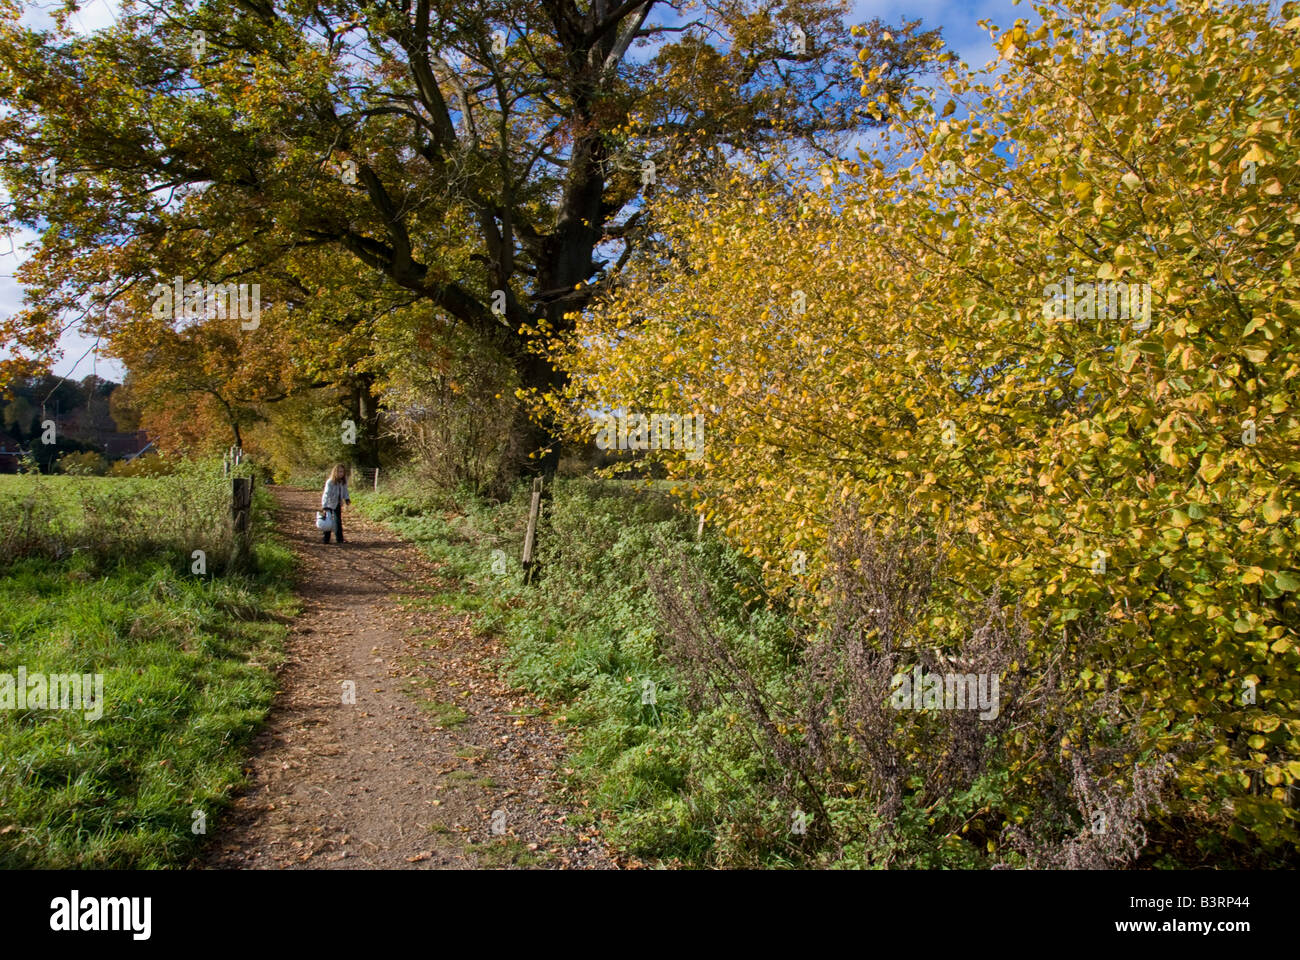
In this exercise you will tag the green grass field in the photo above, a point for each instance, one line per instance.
(187, 662)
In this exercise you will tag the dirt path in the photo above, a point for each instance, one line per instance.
(435, 759)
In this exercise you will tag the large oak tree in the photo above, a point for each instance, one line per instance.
(490, 158)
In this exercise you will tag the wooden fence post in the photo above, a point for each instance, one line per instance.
(376, 479)
(241, 510)
(530, 535)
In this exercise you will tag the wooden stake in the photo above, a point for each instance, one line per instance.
(241, 511)
(530, 535)
(241, 501)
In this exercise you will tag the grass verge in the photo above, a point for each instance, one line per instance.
(584, 639)
(188, 675)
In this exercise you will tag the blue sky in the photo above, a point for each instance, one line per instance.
(960, 22)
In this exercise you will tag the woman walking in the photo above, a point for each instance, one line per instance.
(333, 498)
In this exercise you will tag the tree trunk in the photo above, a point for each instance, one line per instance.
(542, 440)
(366, 410)
(563, 272)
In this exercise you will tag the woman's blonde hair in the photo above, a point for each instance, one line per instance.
(339, 473)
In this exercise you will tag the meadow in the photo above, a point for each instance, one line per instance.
(97, 577)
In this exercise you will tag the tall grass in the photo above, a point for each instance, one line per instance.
(109, 519)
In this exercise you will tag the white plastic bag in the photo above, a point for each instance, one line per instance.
(324, 521)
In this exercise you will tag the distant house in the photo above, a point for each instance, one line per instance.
(125, 446)
(10, 454)
(143, 450)
(101, 433)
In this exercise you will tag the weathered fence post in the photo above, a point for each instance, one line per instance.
(241, 511)
(699, 531)
(376, 479)
(530, 535)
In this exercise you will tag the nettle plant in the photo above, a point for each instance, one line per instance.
(877, 331)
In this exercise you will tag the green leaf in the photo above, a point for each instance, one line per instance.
(1285, 580)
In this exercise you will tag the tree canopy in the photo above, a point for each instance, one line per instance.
(492, 160)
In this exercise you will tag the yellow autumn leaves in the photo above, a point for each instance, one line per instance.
(878, 336)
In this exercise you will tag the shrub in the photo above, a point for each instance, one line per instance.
(85, 463)
(853, 775)
(896, 332)
(148, 465)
